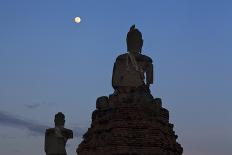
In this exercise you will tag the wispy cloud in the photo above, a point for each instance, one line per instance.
(34, 127)
(79, 131)
(32, 106)
(39, 104)
(15, 121)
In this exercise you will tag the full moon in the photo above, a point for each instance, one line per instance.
(77, 19)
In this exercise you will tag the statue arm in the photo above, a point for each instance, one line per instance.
(113, 79)
(45, 142)
(69, 134)
(149, 74)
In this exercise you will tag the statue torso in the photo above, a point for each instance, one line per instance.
(129, 70)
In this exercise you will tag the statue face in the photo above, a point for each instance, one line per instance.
(59, 122)
(135, 46)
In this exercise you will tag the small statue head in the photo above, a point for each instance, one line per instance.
(59, 119)
(134, 40)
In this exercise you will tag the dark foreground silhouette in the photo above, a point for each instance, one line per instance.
(56, 138)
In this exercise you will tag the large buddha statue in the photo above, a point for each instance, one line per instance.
(133, 71)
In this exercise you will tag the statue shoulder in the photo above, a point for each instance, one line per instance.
(68, 133)
(122, 57)
(146, 58)
(67, 130)
(50, 130)
(140, 57)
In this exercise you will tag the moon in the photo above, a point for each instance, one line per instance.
(77, 19)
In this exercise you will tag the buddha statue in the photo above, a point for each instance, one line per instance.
(133, 71)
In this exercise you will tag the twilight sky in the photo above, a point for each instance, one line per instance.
(50, 64)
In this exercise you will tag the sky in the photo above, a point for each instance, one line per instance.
(49, 64)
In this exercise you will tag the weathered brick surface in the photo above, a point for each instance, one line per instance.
(130, 128)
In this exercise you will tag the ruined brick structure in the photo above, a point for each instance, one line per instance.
(124, 125)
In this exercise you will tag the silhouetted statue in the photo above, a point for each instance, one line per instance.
(130, 121)
(130, 69)
(56, 138)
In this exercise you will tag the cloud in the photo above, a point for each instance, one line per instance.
(34, 127)
(39, 104)
(36, 105)
(32, 106)
(7, 137)
(15, 121)
(79, 132)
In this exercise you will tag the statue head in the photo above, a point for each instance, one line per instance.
(134, 40)
(59, 119)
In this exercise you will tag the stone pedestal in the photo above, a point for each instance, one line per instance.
(126, 125)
